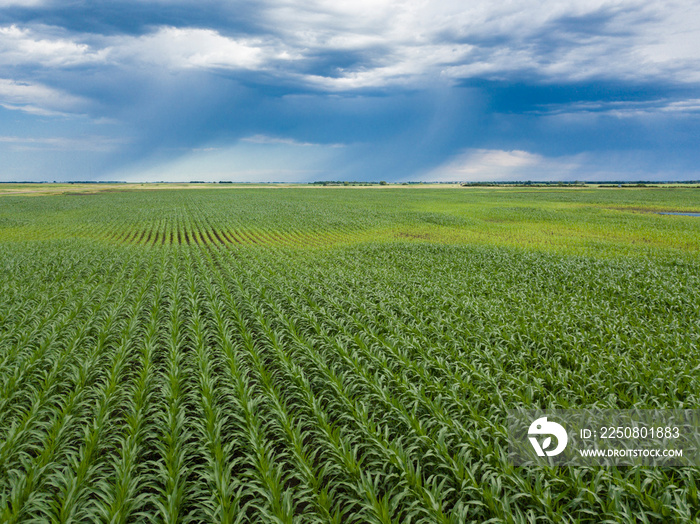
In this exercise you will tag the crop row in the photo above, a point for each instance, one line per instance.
(211, 383)
(176, 218)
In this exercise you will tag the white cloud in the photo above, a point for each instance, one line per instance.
(495, 165)
(682, 106)
(176, 48)
(408, 41)
(37, 98)
(20, 46)
(407, 65)
(621, 109)
(91, 143)
(169, 47)
(500, 165)
(264, 139)
(21, 3)
(404, 42)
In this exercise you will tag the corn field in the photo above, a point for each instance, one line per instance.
(250, 357)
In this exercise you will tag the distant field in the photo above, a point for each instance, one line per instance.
(582, 220)
(226, 354)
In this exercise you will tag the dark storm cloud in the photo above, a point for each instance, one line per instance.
(136, 18)
(406, 89)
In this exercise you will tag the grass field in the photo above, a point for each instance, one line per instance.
(297, 354)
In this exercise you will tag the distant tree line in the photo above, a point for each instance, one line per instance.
(345, 183)
(606, 183)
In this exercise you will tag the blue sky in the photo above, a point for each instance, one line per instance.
(363, 90)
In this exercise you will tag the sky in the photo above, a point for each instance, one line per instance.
(297, 91)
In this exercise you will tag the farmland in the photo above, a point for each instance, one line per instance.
(336, 354)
